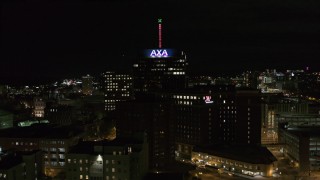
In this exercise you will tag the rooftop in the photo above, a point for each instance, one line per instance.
(4, 113)
(39, 131)
(88, 147)
(305, 130)
(245, 153)
(9, 160)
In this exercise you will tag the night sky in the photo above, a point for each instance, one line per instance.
(47, 39)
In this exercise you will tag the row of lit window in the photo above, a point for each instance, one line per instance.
(118, 76)
(82, 176)
(54, 163)
(178, 73)
(158, 69)
(86, 161)
(185, 102)
(24, 143)
(185, 97)
(53, 142)
(227, 112)
(53, 149)
(61, 156)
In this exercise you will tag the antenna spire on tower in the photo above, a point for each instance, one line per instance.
(160, 32)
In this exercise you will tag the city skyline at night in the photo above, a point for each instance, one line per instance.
(172, 89)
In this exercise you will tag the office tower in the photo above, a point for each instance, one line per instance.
(87, 85)
(163, 69)
(203, 115)
(160, 68)
(117, 87)
(39, 106)
(215, 115)
(251, 79)
(249, 107)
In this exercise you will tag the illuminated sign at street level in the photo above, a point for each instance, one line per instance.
(159, 53)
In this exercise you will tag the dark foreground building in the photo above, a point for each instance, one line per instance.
(123, 158)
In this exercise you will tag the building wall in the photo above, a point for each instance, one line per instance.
(117, 87)
(232, 166)
(87, 85)
(39, 106)
(138, 117)
(33, 165)
(248, 119)
(19, 144)
(17, 172)
(107, 163)
(54, 151)
(302, 149)
(54, 157)
(59, 114)
(6, 120)
(160, 73)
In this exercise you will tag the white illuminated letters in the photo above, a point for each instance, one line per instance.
(159, 53)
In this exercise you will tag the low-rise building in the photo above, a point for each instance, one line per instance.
(236, 159)
(123, 158)
(20, 165)
(301, 145)
(6, 119)
(53, 141)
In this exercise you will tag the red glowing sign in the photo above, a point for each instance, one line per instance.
(207, 99)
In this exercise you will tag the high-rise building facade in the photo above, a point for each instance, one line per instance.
(87, 85)
(117, 87)
(215, 115)
(249, 109)
(39, 106)
(163, 69)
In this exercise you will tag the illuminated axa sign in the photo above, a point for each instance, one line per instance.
(159, 53)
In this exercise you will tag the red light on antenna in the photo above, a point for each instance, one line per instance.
(160, 36)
